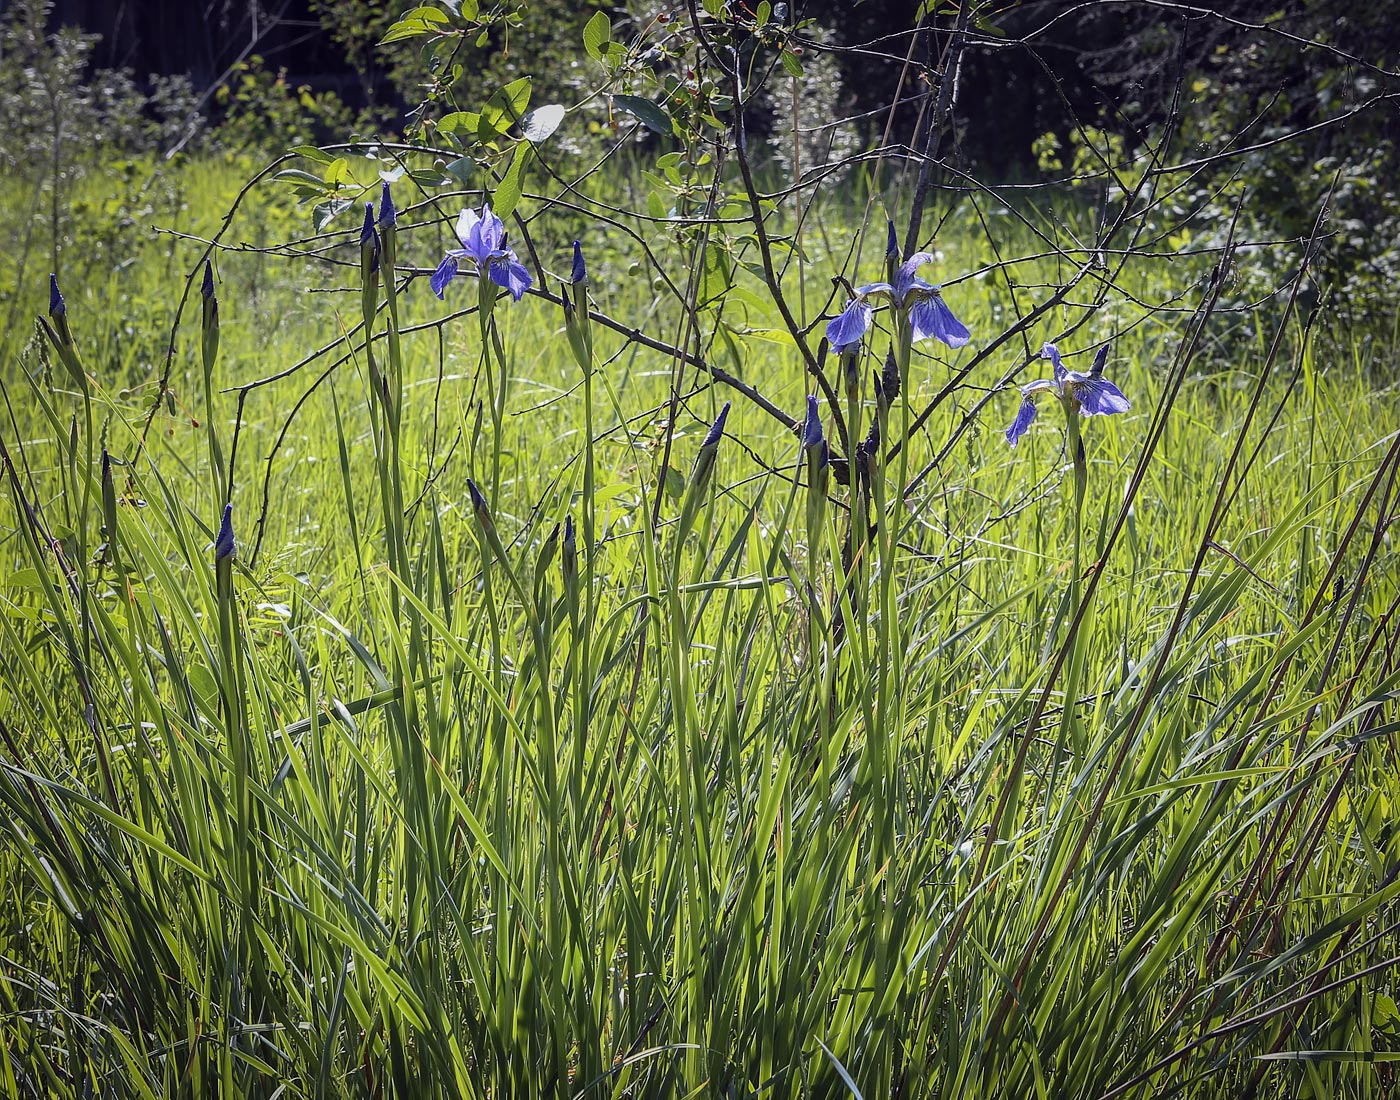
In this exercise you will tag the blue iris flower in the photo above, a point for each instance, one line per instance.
(813, 438)
(929, 314)
(224, 546)
(483, 239)
(1088, 393)
(57, 306)
(579, 274)
(369, 238)
(388, 215)
(716, 432)
(207, 287)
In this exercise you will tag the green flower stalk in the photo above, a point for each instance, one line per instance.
(700, 475)
(60, 336)
(578, 326)
(1081, 394)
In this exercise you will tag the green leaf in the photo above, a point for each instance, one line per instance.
(504, 109)
(507, 195)
(457, 121)
(649, 114)
(306, 179)
(421, 20)
(324, 212)
(675, 483)
(338, 172)
(27, 579)
(596, 35)
(461, 170)
(790, 63)
(542, 121)
(310, 152)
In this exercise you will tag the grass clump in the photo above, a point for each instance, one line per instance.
(524, 735)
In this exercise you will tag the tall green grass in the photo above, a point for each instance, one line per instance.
(423, 797)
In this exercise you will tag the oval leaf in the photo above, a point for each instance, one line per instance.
(542, 121)
(596, 35)
(646, 112)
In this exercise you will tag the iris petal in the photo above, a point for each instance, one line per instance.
(1100, 397)
(1051, 352)
(932, 317)
(445, 273)
(905, 279)
(466, 221)
(1024, 415)
(850, 326)
(510, 274)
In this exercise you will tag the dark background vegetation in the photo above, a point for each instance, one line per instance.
(1287, 101)
(1035, 67)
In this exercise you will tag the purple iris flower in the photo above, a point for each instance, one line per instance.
(369, 238)
(845, 331)
(716, 432)
(812, 426)
(1087, 392)
(388, 216)
(483, 240)
(207, 287)
(224, 546)
(579, 274)
(929, 314)
(57, 306)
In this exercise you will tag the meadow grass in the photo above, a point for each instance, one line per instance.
(416, 798)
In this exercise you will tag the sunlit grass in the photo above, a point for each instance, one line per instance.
(392, 804)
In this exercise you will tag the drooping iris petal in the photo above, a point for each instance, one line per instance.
(510, 274)
(1099, 397)
(1024, 415)
(932, 317)
(445, 273)
(852, 323)
(1051, 352)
